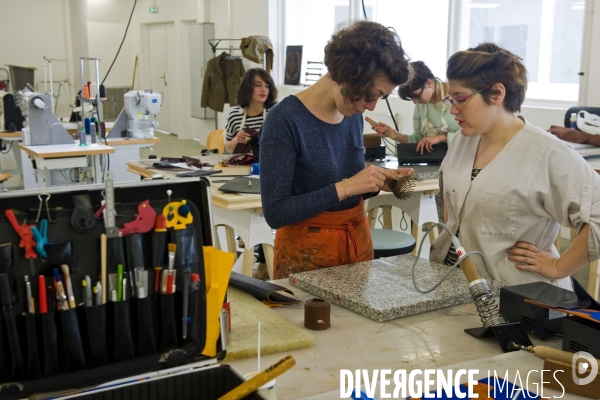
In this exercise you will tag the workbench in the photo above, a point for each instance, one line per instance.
(431, 340)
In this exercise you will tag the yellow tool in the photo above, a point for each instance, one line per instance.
(386, 133)
(260, 379)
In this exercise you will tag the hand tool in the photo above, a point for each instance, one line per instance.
(61, 297)
(171, 276)
(159, 237)
(24, 232)
(41, 237)
(144, 221)
(87, 291)
(28, 294)
(42, 299)
(186, 282)
(68, 285)
(103, 265)
(260, 379)
(545, 353)
(386, 133)
(6, 298)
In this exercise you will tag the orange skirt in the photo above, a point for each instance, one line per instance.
(328, 239)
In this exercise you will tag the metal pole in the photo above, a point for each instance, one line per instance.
(51, 86)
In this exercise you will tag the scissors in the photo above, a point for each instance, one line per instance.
(41, 237)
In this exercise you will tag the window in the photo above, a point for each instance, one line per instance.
(310, 24)
(546, 34)
(422, 26)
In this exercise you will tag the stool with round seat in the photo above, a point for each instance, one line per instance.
(388, 242)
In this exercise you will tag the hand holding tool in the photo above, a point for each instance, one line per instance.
(260, 379)
(143, 222)
(41, 237)
(24, 232)
(386, 133)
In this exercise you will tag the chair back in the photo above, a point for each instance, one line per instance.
(216, 140)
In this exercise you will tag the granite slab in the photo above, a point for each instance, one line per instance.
(383, 289)
(422, 171)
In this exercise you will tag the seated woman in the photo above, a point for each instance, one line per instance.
(508, 186)
(432, 121)
(312, 167)
(256, 95)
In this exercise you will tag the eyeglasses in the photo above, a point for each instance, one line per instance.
(460, 101)
(370, 99)
(418, 98)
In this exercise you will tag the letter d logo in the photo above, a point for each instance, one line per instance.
(581, 367)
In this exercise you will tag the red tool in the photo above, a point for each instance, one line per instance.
(144, 222)
(42, 294)
(25, 233)
(158, 248)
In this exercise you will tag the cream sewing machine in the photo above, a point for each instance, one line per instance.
(137, 119)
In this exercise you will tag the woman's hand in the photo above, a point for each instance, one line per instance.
(400, 172)
(428, 141)
(241, 137)
(532, 259)
(372, 179)
(384, 130)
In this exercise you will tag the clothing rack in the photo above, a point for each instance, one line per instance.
(214, 43)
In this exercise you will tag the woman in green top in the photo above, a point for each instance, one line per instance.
(432, 120)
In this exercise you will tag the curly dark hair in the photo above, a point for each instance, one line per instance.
(246, 89)
(483, 66)
(357, 54)
(421, 74)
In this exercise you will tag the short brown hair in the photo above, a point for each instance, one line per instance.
(246, 89)
(483, 66)
(421, 74)
(355, 55)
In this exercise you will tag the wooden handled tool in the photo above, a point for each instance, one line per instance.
(260, 379)
(386, 133)
(545, 353)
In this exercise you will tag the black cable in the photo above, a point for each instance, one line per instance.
(403, 219)
(9, 148)
(364, 11)
(122, 41)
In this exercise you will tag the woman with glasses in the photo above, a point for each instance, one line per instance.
(508, 186)
(312, 167)
(256, 95)
(432, 121)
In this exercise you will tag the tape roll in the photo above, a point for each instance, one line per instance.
(316, 314)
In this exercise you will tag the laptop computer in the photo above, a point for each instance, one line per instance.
(407, 154)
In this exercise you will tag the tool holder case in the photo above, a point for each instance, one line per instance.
(88, 346)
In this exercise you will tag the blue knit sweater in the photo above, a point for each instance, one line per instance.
(301, 159)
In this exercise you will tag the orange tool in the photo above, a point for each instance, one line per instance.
(158, 247)
(24, 232)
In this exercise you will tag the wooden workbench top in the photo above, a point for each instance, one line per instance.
(65, 150)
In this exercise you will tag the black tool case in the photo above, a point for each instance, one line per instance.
(89, 346)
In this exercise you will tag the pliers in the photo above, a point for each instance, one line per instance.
(41, 237)
(24, 231)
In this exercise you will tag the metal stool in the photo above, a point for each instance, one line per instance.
(387, 242)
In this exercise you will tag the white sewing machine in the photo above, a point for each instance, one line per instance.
(137, 118)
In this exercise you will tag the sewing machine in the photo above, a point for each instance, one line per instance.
(137, 119)
(41, 125)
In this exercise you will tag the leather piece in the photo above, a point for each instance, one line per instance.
(261, 290)
(82, 218)
(242, 185)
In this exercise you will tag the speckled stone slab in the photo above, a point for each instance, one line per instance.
(383, 290)
(422, 171)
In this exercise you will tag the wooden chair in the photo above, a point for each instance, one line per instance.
(216, 140)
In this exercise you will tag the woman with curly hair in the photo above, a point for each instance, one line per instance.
(313, 175)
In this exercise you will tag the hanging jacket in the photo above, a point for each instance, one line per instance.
(254, 47)
(222, 80)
